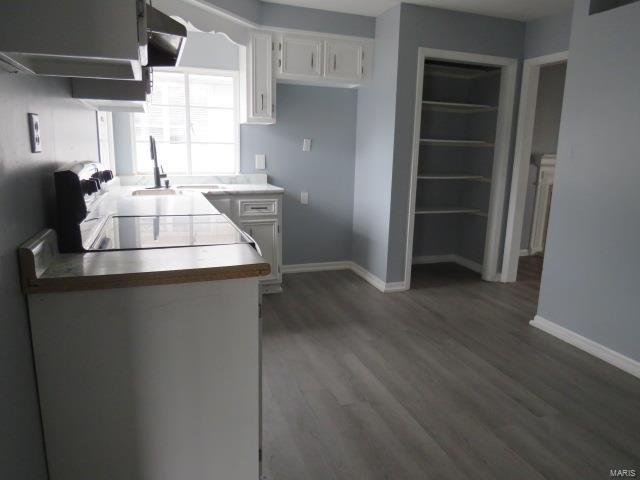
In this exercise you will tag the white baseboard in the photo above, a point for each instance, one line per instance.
(347, 265)
(593, 348)
(525, 252)
(316, 267)
(451, 258)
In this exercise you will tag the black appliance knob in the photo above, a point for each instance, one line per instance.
(98, 177)
(107, 175)
(89, 186)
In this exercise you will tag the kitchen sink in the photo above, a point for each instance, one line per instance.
(156, 191)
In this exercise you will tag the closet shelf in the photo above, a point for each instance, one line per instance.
(459, 72)
(473, 178)
(453, 107)
(448, 210)
(455, 143)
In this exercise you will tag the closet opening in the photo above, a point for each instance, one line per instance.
(462, 131)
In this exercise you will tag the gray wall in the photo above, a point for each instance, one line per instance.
(320, 231)
(286, 16)
(248, 9)
(546, 130)
(374, 150)
(590, 275)
(26, 192)
(205, 50)
(442, 29)
(547, 35)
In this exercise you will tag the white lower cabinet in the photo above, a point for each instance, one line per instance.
(265, 233)
(260, 216)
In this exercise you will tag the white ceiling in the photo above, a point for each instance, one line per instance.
(513, 9)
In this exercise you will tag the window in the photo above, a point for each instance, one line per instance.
(194, 118)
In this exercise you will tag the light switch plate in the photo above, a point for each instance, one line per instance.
(304, 198)
(34, 133)
(306, 145)
(261, 161)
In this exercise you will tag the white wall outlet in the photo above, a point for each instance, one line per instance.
(304, 198)
(34, 133)
(306, 145)
(261, 161)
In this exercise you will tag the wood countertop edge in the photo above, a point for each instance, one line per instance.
(144, 279)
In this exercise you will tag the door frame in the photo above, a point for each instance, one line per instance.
(544, 188)
(521, 160)
(508, 80)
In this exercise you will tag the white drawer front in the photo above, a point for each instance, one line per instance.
(258, 208)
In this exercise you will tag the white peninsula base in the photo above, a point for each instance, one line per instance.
(150, 383)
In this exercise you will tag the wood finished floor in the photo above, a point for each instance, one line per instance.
(446, 381)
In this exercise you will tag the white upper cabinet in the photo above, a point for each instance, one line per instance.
(300, 57)
(257, 80)
(344, 60)
(316, 60)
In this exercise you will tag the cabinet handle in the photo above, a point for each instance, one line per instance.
(279, 63)
(262, 101)
(312, 60)
(335, 61)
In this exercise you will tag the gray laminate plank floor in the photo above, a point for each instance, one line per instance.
(446, 381)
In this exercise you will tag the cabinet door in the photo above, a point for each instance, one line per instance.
(262, 75)
(257, 81)
(344, 60)
(265, 233)
(301, 57)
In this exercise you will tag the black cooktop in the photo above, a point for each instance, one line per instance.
(166, 231)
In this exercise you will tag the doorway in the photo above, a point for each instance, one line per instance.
(534, 165)
(462, 131)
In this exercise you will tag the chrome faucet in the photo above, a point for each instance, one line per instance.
(158, 172)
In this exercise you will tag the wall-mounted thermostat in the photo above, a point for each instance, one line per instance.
(34, 133)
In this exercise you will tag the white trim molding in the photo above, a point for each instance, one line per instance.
(508, 79)
(316, 267)
(524, 143)
(385, 287)
(605, 354)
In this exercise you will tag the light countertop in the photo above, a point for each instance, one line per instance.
(46, 270)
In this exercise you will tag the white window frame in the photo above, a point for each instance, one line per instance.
(111, 163)
(236, 120)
